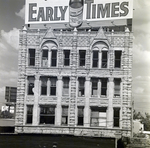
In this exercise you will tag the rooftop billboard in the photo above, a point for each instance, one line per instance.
(76, 11)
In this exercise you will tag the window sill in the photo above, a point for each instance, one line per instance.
(94, 96)
(81, 96)
(117, 96)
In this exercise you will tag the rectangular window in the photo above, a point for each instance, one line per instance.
(54, 58)
(95, 58)
(81, 86)
(80, 115)
(30, 85)
(82, 54)
(98, 116)
(29, 114)
(118, 59)
(64, 120)
(117, 87)
(43, 86)
(116, 117)
(31, 57)
(65, 86)
(104, 87)
(66, 57)
(47, 115)
(53, 86)
(104, 59)
(45, 58)
(94, 87)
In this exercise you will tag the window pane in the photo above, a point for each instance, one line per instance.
(118, 59)
(30, 85)
(43, 90)
(54, 58)
(53, 81)
(66, 86)
(116, 117)
(98, 116)
(104, 87)
(64, 120)
(104, 59)
(53, 91)
(66, 57)
(47, 114)
(43, 86)
(29, 114)
(45, 58)
(82, 57)
(95, 58)
(117, 87)
(45, 54)
(32, 57)
(94, 87)
(81, 87)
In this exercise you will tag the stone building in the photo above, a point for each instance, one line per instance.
(74, 81)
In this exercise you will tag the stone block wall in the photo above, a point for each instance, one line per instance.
(74, 40)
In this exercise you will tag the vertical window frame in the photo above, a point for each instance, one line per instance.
(82, 60)
(29, 116)
(80, 116)
(118, 59)
(94, 80)
(53, 86)
(64, 117)
(117, 88)
(104, 63)
(66, 86)
(31, 57)
(45, 58)
(44, 81)
(53, 58)
(81, 87)
(116, 117)
(66, 59)
(104, 82)
(30, 86)
(95, 60)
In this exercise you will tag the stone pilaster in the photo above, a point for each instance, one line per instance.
(87, 102)
(110, 103)
(21, 79)
(73, 79)
(59, 96)
(36, 101)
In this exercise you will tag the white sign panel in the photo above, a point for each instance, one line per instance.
(63, 11)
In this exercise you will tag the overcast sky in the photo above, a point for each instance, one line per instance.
(12, 19)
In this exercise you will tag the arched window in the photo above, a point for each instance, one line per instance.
(49, 54)
(99, 55)
(45, 57)
(104, 61)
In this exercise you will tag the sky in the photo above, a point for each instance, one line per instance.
(12, 20)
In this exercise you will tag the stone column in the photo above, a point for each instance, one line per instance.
(48, 87)
(49, 58)
(36, 101)
(100, 59)
(110, 103)
(59, 96)
(87, 102)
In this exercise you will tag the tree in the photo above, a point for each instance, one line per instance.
(143, 119)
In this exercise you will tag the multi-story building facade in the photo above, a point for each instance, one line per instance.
(74, 81)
